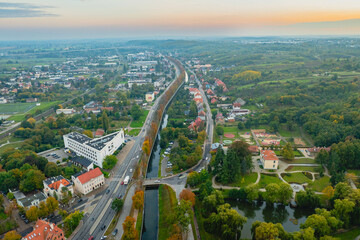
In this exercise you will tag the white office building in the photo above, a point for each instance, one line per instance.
(94, 149)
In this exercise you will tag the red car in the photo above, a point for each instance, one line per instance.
(122, 183)
(91, 238)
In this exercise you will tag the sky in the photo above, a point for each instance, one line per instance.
(66, 19)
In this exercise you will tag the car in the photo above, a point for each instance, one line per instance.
(157, 181)
(122, 183)
(107, 191)
(180, 175)
(104, 237)
(131, 170)
(80, 200)
(103, 227)
(120, 196)
(91, 238)
(26, 221)
(115, 232)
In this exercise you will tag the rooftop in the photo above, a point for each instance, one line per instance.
(26, 201)
(269, 155)
(98, 143)
(82, 161)
(45, 231)
(54, 182)
(86, 177)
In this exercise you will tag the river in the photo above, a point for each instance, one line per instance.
(151, 205)
(290, 218)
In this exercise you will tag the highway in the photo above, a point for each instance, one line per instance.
(102, 215)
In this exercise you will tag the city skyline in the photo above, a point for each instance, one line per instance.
(94, 19)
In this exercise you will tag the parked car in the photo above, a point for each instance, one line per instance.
(157, 181)
(91, 238)
(115, 232)
(103, 227)
(107, 191)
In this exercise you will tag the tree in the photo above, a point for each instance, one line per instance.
(211, 202)
(73, 220)
(135, 112)
(105, 121)
(52, 204)
(43, 210)
(241, 126)
(88, 133)
(32, 180)
(110, 161)
(32, 213)
(226, 223)
(287, 152)
(184, 214)
(12, 235)
(10, 196)
(138, 199)
(307, 199)
(265, 231)
(343, 209)
(117, 204)
(305, 234)
(342, 190)
(285, 193)
(146, 147)
(193, 109)
(318, 223)
(272, 191)
(52, 170)
(322, 157)
(328, 192)
(219, 130)
(252, 192)
(188, 195)
(130, 233)
(219, 160)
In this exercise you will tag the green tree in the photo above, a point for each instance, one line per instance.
(43, 210)
(318, 223)
(52, 204)
(252, 192)
(305, 234)
(211, 202)
(265, 231)
(52, 170)
(219, 130)
(184, 214)
(308, 199)
(32, 213)
(193, 109)
(73, 220)
(287, 152)
(219, 160)
(135, 112)
(343, 209)
(342, 190)
(109, 162)
(117, 204)
(322, 157)
(272, 191)
(105, 121)
(32, 180)
(285, 193)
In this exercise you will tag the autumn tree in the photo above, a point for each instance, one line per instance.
(52, 204)
(138, 199)
(32, 213)
(146, 147)
(88, 133)
(130, 233)
(188, 195)
(12, 235)
(43, 210)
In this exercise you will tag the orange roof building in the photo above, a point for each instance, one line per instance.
(54, 186)
(269, 159)
(89, 181)
(45, 231)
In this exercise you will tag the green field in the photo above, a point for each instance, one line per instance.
(303, 168)
(267, 179)
(301, 160)
(10, 145)
(296, 153)
(11, 108)
(296, 178)
(350, 235)
(134, 132)
(167, 203)
(244, 181)
(140, 121)
(43, 107)
(319, 184)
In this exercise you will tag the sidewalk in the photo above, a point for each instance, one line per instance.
(125, 210)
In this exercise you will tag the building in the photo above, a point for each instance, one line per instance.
(94, 149)
(269, 159)
(149, 97)
(65, 111)
(31, 200)
(54, 186)
(44, 230)
(89, 181)
(82, 162)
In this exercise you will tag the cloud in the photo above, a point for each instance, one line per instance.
(23, 10)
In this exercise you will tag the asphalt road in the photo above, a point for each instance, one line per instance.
(102, 215)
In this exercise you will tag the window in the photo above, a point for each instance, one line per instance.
(273, 166)
(274, 161)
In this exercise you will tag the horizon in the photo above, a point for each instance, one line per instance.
(89, 19)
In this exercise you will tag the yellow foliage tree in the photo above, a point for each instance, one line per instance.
(12, 235)
(32, 121)
(146, 147)
(138, 199)
(88, 133)
(328, 192)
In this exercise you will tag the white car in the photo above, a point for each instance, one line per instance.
(157, 181)
(131, 170)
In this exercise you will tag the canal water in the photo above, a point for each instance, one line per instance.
(290, 218)
(151, 205)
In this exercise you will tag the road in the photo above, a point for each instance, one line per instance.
(102, 214)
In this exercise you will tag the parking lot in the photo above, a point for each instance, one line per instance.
(54, 155)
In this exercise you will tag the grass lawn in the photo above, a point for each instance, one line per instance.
(266, 179)
(139, 221)
(303, 168)
(296, 153)
(350, 235)
(43, 107)
(354, 171)
(9, 108)
(230, 129)
(8, 146)
(167, 202)
(245, 180)
(119, 124)
(287, 133)
(134, 132)
(319, 184)
(296, 178)
(301, 160)
(140, 121)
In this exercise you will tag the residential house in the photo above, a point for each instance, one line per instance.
(269, 159)
(31, 200)
(82, 162)
(54, 186)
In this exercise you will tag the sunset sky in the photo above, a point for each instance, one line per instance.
(40, 19)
